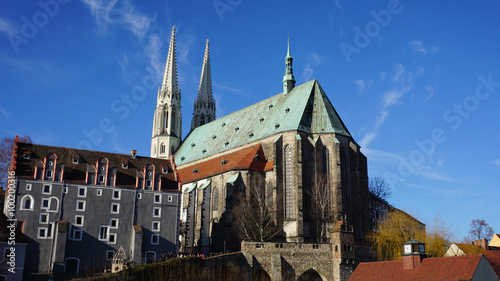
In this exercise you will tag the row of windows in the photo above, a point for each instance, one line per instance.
(82, 191)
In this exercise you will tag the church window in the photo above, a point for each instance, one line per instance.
(165, 121)
(288, 182)
(202, 119)
(162, 148)
(344, 183)
(326, 164)
(216, 199)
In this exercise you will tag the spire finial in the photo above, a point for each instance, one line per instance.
(288, 78)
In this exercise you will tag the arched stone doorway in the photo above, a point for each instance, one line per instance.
(310, 275)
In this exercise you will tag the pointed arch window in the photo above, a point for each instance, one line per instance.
(162, 148)
(326, 164)
(202, 119)
(288, 182)
(215, 199)
(344, 179)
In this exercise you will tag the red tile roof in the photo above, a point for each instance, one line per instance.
(435, 269)
(493, 258)
(239, 160)
(27, 155)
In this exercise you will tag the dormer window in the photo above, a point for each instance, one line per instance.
(223, 162)
(195, 171)
(261, 119)
(276, 126)
(75, 161)
(101, 178)
(236, 129)
(226, 143)
(182, 158)
(193, 145)
(165, 171)
(270, 106)
(49, 174)
(204, 151)
(124, 166)
(214, 137)
(257, 157)
(250, 135)
(287, 110)
(223, 124)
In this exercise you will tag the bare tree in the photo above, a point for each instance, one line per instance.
(379, 188)
(6, 145)
(322, 206)
(253, 216)
(379, 192)
(479, 229)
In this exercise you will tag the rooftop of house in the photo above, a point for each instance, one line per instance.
(493, 258)
(75, 164)
(495, 241)
(470, 249)
(306, 108)
(436, 269)
(251, 158)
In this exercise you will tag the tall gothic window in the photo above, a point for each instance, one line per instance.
(326, 164)
(162, 148)
(288, 182)
(344, 178)
(215, 199)
(202, 119)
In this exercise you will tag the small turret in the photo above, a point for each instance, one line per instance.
(288, 78)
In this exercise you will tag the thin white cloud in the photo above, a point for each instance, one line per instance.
(121, 13)
(7, 27)
(496, 162)
(418, 46)
(402, 84)
(307, 73)
(363, 84)
(153, 51)
(183, 46)
(430, 93)
(4, 112)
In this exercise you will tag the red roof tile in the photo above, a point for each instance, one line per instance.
(493, 258)
(435, 269)
(238, 160)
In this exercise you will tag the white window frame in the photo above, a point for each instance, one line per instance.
(100, 178)
(119, 194)
(157, 196)
(159, 212)
(114, 235)
(170, 198)
(99, 192)
(139, 195)
(42, 236)
(76, 230)
(107, 254)
(111, 223)
(157, 229)
(100, 234)
(50, 189)
(153, 236)
(23, 202)
(48, 204)
(46, 221)
(84, 188)
(149, 183)
(49, 174)
(117, 208)
(28, 186)
(65, 189)
(84, 205)
(76, 220)
(52, 227)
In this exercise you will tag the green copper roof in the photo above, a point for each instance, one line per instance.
(306, 108)
(207, 183)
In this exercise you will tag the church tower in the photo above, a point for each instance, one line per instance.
(204, 104)
(288, 78)
(167, 122)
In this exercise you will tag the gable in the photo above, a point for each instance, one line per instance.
(306, 108)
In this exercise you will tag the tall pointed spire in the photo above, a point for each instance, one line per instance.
(169, 83)
(204, 104)
(288, 78)
(167, 121)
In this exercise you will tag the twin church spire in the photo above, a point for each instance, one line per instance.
(167, 121)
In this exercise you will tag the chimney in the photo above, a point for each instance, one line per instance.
(483, 243)
(133, 153)
(413, 254)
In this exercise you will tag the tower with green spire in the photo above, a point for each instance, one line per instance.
(288, 78)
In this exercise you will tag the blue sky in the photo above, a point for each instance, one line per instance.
(416, 82)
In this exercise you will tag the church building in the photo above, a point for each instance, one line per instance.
(284, 144)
